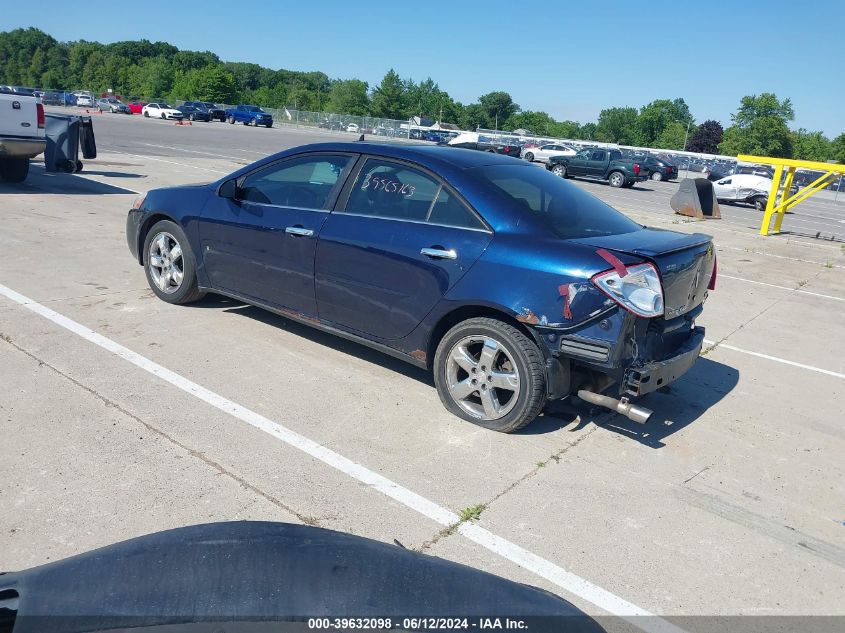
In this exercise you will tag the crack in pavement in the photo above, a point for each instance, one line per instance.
(306, 519)
(555, 457)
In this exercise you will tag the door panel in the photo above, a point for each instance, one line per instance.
(396, 246)
(371, 276)
(262, 245)
(577, 164)
(247, 251)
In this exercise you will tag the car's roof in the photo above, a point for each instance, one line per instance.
(429, 155)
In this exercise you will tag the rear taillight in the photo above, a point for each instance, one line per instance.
(636, 168)
(41, 119)
(712, 284)
(636, 288)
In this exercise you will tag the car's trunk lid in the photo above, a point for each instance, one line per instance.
(685, 262)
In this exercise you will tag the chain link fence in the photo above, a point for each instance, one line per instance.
(694, 164)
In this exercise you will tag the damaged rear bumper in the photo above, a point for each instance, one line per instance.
(647, 377)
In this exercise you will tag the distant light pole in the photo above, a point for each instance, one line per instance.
(686, 135)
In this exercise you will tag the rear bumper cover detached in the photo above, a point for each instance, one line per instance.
(647, 377)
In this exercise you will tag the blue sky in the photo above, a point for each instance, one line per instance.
(570, 59)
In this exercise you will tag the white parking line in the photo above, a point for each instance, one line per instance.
(194, 151)
(161, 160)
(763, 283)
(539, 566)
(794, 259)
(776, 359)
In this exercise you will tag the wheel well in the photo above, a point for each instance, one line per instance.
(448, 321)
(145, 228)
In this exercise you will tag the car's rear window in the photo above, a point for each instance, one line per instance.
(568, 211)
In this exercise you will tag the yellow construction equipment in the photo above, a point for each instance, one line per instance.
(779, 199)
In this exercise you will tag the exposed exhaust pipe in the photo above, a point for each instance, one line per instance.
(631, 411)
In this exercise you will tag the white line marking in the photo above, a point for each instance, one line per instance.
(776, 359)
(195, 151)
(161, 160)
(763, 283)
(541, 567)
(794, 259)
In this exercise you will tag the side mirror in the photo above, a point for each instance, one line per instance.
(229, 189)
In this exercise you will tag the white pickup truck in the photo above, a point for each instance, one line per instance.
(21, 134)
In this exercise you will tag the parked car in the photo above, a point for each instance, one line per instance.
(162, 111)
(660, 168)
(249, 115)
(484, 143)
(22, 123)
(511, 285)
(599, 164)
(136, 107)
(110, 104)
(52, 97)
(194, 114)
(215, 113)
(353, 127)
(326, 124)
(84, 101)
(542, 153)
(746, 189)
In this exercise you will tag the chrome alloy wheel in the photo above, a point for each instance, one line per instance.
(482, 377)
(165, 263)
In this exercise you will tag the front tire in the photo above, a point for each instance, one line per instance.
(491, 374)
(14, 169)
(163, 116)
(169, 264)
(616, 179)
(529, 157)
(559, 170)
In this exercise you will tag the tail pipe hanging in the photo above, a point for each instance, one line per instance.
(631, 411)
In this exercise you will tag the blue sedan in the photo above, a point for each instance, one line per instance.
(513, 286)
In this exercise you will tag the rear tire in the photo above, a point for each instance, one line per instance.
(231, 120)
(14, 169)
(616, 179)
(146, 114)
(187, 290)
(511, 353)
(657, 176)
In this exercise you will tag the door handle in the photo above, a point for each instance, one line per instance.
(439, 253)
(298, 230)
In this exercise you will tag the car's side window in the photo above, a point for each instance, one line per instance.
(392, 190)
(450, 211)
(599, 155)
(305, 183)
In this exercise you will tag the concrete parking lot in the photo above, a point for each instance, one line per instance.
(124, 415)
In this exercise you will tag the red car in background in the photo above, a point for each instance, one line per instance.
(136, 106)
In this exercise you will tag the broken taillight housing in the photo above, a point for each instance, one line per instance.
(638, 290)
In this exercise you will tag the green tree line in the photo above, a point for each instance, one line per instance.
(158, 70)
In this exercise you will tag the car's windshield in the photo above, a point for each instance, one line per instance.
(567, 210)
(254, 109)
